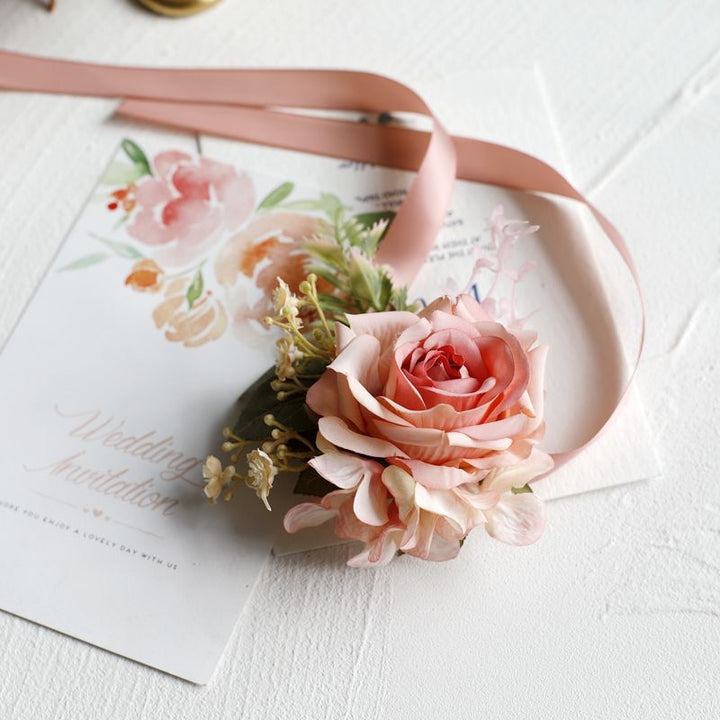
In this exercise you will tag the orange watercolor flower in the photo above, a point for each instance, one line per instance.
(125, 197)
(192, 324)
(145, 276)
(268, 248)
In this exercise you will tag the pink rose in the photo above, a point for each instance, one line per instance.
(427, 423)
(185, 207)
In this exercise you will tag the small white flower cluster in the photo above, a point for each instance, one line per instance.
(261, 474)
(287, 355)
(217, 477)
(286, 303)
(260, 477)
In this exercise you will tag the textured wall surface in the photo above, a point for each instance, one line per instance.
(616, 613)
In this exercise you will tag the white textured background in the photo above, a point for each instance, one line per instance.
(616, 612)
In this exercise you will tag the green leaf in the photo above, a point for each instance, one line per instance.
(86, 261)
(120, 173)
(335, 305)
(295, 414)
(138, 157)
(367, 220)
(325, 275)
(196, 288)
(276, 196)
(310, 482)
(260, 399)
(520, 490)
(122, 250)
(331, 255)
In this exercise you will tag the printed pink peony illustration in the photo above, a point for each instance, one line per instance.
(184, 208)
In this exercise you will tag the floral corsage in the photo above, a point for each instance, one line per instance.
(408, 426)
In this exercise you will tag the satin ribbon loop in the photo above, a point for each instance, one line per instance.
(246, 105)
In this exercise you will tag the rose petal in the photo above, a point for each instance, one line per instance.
(359, 360)
(372, 404)
(343, 336)
(338, 433)
(322, 397)
(385, 326)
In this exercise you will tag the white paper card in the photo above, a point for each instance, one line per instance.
(115, 385)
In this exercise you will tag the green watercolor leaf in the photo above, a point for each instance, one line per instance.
(121, 221)
(86, 261)
(195, 289)
(137, 156)
(276, 196)
(302, 205)
(120, 173)
(327, 203)
(122, 250)
(310, 482)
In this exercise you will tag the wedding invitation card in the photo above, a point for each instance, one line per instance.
(115, 383)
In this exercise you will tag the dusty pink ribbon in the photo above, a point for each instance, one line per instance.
(249, 105)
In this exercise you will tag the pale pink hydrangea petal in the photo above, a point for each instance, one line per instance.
(370, 504)
(401, 486)
(380, 552)
(503, 478)
(345, 469)
(517, 519)
(447, 504)
(421, 540)
(441, 549)
(306, 515)
(440, 477)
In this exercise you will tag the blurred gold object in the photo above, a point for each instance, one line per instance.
(178, 8)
